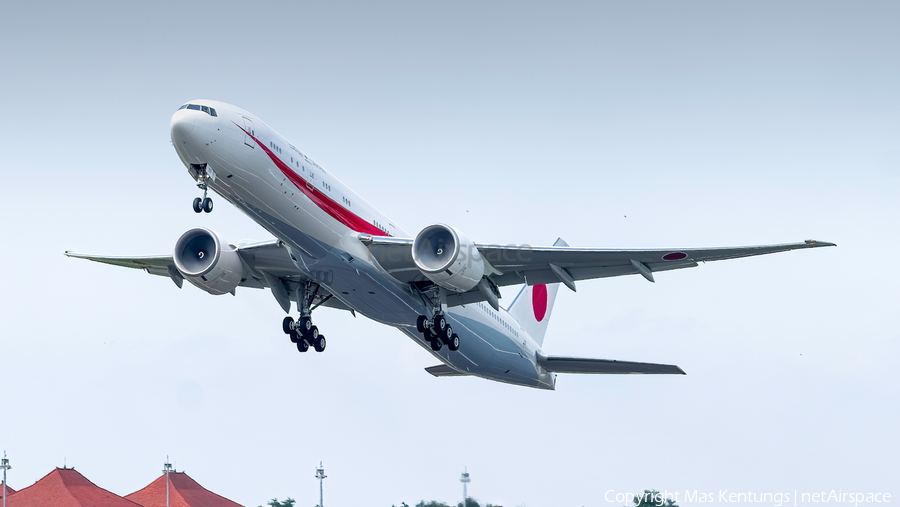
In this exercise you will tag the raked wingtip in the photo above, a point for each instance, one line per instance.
(816, 243)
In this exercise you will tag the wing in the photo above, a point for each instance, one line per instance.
(269, 263)
(153, 264)
(516, 264)
(567, 265)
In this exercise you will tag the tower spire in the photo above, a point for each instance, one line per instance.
(4, 464)
(167, 467)
(320, 474)
(465, 480)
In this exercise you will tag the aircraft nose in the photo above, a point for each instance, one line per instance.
(181, 126)
(188, 138)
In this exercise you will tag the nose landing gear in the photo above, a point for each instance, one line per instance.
(205, 203)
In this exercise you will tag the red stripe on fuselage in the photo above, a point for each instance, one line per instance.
(325, 203)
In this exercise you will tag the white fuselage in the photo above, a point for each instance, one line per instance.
(320, 219)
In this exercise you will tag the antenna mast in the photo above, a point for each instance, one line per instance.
(167, 467)
(465, 480)
(4, 464)
(320, 474)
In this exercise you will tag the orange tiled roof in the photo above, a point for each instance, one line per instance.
(65, 487)
(183, 492)
(9, 490)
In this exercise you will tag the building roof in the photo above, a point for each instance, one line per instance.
(183, 492)
(65, 487)
(9, 490)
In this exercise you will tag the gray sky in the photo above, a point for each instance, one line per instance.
(627, 124)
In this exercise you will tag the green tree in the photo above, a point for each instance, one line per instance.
(471, 502)
(432, 503)
(653, 498)
(275, 503)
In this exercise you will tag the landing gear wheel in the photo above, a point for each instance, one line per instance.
(287, 325)
(295, 337)
(207, 205)
(304, 324)
(448, 332)
(439, 323)
(302, 346)
(312, 335)
(453, 342)
(320, 343)
(198, 205)
(436, 344)
(420, 323)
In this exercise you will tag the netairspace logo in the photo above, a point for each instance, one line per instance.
(724, 496)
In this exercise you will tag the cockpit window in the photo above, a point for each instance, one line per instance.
(206, 109)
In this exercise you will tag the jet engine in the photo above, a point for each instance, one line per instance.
(448, 258)
(208, 261)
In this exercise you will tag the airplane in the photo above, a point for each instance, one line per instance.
(334, 249)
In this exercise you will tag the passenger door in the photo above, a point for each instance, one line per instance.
(248, 126)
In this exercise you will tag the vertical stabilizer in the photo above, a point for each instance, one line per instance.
(533, 305)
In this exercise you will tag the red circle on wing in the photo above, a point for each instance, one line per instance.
(539, 301)
(674, 256)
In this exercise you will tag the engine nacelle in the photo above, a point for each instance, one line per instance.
(208, 261)
(448, 258)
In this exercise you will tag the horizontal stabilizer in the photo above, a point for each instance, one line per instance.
(442, 370)
(585, 365)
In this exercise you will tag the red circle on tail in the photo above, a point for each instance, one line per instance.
(539, 301)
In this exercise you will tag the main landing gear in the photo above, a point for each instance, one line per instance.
(438, 332)
(204, 203)
(302, 331)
